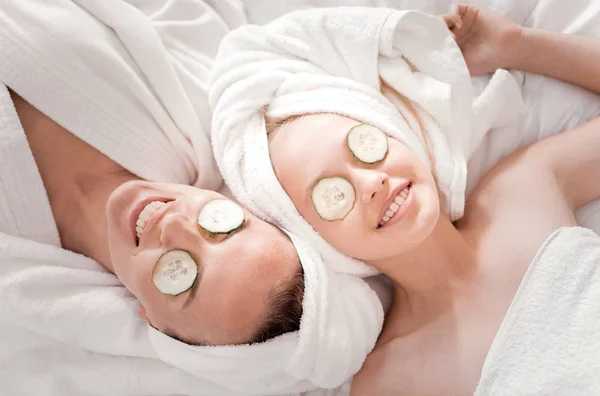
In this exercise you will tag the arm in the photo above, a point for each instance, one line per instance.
(489, 41)
(575, 59)
(574, 160)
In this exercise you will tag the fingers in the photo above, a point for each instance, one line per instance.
(448, 20)
(453, 18)
(459, 9)
(453, 21)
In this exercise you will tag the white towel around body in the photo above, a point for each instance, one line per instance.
(548, 341)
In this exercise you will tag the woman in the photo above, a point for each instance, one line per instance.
(454, 282)
(117, 263)
(97, 203)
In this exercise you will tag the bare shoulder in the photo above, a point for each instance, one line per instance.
(408, 366)
(382, 374)
(544, 182)
(519, 203)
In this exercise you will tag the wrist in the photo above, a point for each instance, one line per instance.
(520, 48)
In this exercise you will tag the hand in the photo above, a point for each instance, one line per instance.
(488, 40)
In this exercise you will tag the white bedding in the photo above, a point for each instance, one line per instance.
(128, 366)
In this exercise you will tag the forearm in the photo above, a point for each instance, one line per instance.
(575, 59)
(574, 159)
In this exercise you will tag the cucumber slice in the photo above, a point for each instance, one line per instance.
(221, 216)
(175, 272)
(367, 143)
(333, 198)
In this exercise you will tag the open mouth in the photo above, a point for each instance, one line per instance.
(397, 208)
(144, 215)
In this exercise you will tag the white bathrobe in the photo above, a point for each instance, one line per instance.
(67, 326)
(128, 78)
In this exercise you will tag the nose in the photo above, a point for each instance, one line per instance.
(176, 228)
(370, 183)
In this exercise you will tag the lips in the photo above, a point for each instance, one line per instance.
(403, 208)
(390, 200)
(137, 209)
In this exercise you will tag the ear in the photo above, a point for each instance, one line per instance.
(142, 313)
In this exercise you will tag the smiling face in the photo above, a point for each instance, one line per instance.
(313, 147)
(238, 272)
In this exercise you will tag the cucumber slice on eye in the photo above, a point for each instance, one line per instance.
(221, 216)
(367, 143)
(333, 198)
(175, 272)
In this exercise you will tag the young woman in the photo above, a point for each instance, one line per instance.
(454, 282)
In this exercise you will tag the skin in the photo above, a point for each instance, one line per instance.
(455, 282)
(93, 201)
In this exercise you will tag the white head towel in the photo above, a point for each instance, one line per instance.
(341, 320)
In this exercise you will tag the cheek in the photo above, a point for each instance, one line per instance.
(347, 235)
(294, 187)
(137, 278)
(135, 272)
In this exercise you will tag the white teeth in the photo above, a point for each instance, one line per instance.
(145, 214)
(398, 202)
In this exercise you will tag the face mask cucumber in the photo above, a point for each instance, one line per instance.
(175, 272)
(367, 143)
(221, 216)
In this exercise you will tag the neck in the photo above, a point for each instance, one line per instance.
(438, 268)
(83, 226)
(78, 180)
